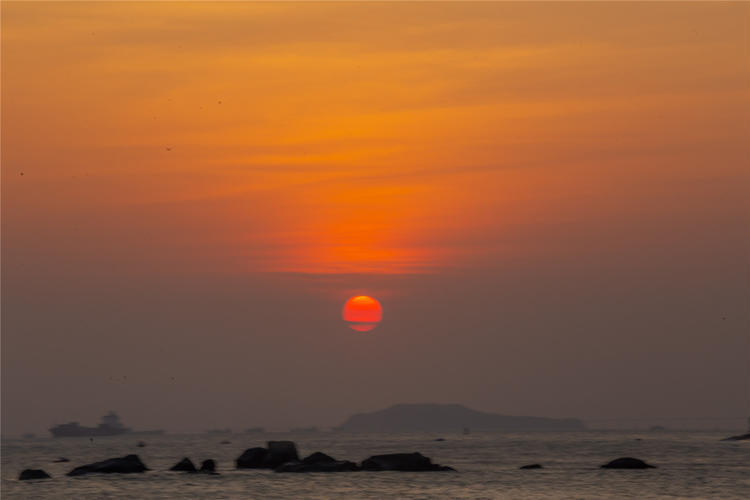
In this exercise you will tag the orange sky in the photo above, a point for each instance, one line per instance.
(362, 137)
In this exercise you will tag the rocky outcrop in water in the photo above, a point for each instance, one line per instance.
(208, 467)
(252, 458)
(280, 452)
(531, 466)
(402, 462)
(33, 474)
(741, 437)
(318, 462)
(277, 453)
(123, 465)
(282, 457)
(184, 465)
(627, 463)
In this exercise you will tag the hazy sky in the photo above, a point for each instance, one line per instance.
(551, 202)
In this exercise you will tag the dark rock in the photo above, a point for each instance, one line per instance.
(531, 466)
(208, 466)
(627, 463)
(440, 439)
(280, 452)
(184, 465)
(226, 441)
(402, 462)
(33, 474)
(335, 466)
(317, 458)
(295, 466)
(141, 444)
(60, 460)
(122, 465)
(252, 458)
(277, 453)
(318, 462)
(741, 437)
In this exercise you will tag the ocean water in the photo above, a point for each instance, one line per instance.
(690, 465)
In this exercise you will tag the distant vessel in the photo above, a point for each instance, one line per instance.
(109, 426)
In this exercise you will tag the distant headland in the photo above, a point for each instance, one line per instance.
(450, 418)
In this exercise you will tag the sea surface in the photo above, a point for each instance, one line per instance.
(690, 465)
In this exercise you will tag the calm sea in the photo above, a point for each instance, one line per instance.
(690, 465)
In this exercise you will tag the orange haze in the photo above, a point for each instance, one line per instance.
(362, 138)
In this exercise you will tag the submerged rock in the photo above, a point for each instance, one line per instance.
(184, 465)
(402, 462)
(252, 458)
(531, 466)
(33, 474)
(122, 465)
(280, 452)
(318, 462)
(627, 463)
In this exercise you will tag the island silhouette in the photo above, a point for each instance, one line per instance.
(434, 417)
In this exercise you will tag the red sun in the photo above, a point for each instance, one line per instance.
(363, 313)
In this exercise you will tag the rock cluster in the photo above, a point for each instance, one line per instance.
(281, 456)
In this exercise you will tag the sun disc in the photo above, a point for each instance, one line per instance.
(362, 313)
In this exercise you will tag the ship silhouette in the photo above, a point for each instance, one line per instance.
(109, 426)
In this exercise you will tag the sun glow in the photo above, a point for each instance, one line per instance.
(362, 313)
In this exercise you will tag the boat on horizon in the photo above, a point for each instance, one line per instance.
(109, 426)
